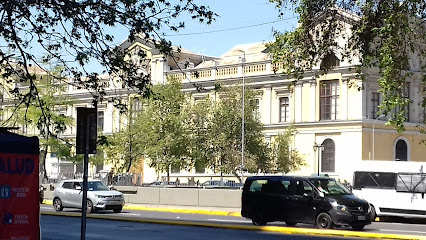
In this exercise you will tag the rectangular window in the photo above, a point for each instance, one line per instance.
(100, 120)
(136, 108)
(406, 95)
(375, 101)
(329, 100)
(284, 109)
(256, 109)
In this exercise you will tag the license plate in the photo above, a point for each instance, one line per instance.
(361, 217)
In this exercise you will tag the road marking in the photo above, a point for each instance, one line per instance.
(404, 231)
(46, 208)
(132, 214)
(224, 220)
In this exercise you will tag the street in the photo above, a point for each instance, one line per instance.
(68, 228)
(375, 227)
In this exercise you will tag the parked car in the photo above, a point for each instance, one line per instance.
(162, 184)
(321, 201)
(69, 194)
(216, 183)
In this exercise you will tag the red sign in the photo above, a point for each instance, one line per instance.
(19, 196)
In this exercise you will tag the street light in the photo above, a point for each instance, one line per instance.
(373, 133)
(321, 148)
(243, 62)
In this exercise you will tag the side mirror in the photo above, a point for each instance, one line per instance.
(78, 188)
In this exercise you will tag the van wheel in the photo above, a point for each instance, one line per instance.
(373, 213)
(290, 224)
(258, 220)
(57, 205)
(324, 221)
(358, 227)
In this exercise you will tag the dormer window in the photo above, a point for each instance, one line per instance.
(330, 61)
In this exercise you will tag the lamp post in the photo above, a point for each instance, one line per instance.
(374, 124)
(319, 147)
(243, 62)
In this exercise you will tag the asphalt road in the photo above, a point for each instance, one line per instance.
(376, 227)
(68, 228)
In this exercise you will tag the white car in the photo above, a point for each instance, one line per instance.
(69, 194)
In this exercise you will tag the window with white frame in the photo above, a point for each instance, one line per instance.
(401, 150)
(406, 95)
(100, 120)
(329, 100)
(375, 102)
(284, 109)
(256, 110)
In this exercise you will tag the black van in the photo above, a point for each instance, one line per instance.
(316, 200)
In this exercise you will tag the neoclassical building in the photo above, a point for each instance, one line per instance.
(336, 116)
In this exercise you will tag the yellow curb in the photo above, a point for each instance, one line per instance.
(187, 211)
(284, 230)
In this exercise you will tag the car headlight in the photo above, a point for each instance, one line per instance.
(99, 196)
(340, 207)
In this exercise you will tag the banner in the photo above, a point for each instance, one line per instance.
(19, 192)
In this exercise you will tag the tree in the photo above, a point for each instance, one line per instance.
(284, 159)
(77, 32)
(201, 149)
(226, 133)
(163, 128)
(384, 34)
(44, 114)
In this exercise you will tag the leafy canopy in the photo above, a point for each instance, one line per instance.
(386, 35)
(74, 33)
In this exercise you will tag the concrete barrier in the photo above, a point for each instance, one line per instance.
(198, 197)
(219, 198)
(146, 195)
(179, 196)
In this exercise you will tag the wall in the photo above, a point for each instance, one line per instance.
(229, 198)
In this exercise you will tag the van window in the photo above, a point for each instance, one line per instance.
(287, 190)
(256, 185)
(374, 180)
(303, 187)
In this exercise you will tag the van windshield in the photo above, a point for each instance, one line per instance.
(97, 186)
(330, 187)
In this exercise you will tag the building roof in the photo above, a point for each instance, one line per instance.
(254, 52)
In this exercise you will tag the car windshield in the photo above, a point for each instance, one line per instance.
(330, 187)
(97, 186)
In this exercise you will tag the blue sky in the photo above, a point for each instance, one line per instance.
(250, 20)
(233, 14)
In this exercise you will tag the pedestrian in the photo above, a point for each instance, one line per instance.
(177, 181)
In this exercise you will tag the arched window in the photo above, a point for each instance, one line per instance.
(328, 156)
(329, 61)
(401, 150)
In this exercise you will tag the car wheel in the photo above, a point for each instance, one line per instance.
(117, 210)
(258, 220)
(358, 227)
(89, 207)
(373, 213)
(57, 204)
(324, 221)
(290, 224)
